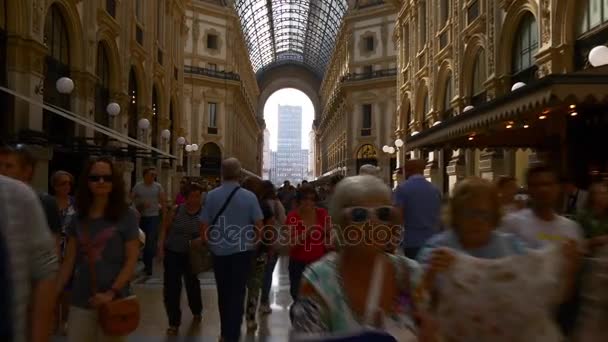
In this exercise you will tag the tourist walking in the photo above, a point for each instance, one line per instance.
(180, 227)
(150, 197)
(270, 197)
(420, 202)
(231, 225)
(62, 183)
(28, 266)
(309, 227)
(105, 228)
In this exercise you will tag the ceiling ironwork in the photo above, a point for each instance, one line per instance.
(291, 31)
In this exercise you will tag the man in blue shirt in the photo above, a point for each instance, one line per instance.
(232, 237)
(421, 204)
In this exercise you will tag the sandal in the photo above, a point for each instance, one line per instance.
(172, 331)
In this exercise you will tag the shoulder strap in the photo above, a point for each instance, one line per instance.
(89, 251)
(224, 206)
(375, 289)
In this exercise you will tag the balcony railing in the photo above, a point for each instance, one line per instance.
(190, 69)
(370, 75)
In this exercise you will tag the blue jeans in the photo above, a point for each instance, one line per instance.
(267, 283)
(149, 225)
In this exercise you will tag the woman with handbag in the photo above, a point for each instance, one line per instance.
(101, 253)
(179, 228)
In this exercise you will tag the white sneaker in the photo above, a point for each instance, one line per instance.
(265, 309)
(252, 326)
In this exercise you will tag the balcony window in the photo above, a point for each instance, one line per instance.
(472, 11)
(212, 112)
(369, 43)
(111, 7)
(366, 126)
(422, 22)
(212, 42)
(478, 79)
(139, 34)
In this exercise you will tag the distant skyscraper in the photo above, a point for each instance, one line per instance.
(289, 162)
(267, 162)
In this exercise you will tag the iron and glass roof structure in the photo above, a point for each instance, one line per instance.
(291, 31)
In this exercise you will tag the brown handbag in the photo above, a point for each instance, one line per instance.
(120, 317)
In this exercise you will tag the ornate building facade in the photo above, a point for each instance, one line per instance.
(221, 91)
(124, 52)
(357, 93)
(485, 87)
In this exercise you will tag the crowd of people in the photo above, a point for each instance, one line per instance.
(362, 256)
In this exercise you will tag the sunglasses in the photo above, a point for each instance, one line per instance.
(363, 214)
(98, 178)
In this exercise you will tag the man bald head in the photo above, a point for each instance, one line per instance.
(231, 169)
(369, 169)
(413, 167)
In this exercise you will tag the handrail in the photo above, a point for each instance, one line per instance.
(191, 69)
(370, 75)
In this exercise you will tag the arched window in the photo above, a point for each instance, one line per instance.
(6, 116)
(102, 90)
(155, 115)
(478, 94)
(525, 45)
(422, 23)
(425, 109)
(57, 65)
(447, 98)
(593, 13)
(133, 98)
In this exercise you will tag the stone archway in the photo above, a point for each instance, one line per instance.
(289, 76)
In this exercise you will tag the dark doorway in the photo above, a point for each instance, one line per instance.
(587, 160)
(366, 155)
(211, 161)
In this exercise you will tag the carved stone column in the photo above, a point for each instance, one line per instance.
(456, 169)
(126, 168)
(491, 164)
(432, 172)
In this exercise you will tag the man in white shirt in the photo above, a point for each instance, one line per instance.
(541, 224)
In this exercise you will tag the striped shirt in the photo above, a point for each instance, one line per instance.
(31, 249)
(185, 227)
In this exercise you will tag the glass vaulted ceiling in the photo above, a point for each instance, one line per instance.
(291, 31)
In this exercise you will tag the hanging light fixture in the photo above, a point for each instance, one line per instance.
(181, 140)
(468, 108)
(399, 143)
(517, 86)
(598, 56)
(143, 124)
(165, 134)
(64, 85)
(113, 109)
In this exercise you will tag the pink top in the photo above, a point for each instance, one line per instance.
(180, 199)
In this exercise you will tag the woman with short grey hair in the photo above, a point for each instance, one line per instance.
(335, 292)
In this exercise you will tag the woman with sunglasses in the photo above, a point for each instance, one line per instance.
(105, 229)
(474, 214)
(309, 227)
(335, 290)
(62, 182)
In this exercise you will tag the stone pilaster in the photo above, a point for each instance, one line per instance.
(491, 164)
(432, 172)
(126, 168)
(456, 169)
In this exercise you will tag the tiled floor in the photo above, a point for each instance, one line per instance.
(273, 328)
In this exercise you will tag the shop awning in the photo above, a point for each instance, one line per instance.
(549, 92)
(135, 147)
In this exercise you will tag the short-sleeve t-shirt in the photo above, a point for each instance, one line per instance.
(108, 240)
(536, 233)
(147, 197)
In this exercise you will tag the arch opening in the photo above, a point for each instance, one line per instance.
(288, 137)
